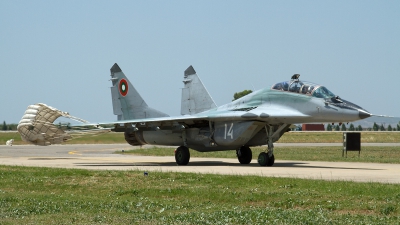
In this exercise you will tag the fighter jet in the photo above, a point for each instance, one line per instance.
(257, 119)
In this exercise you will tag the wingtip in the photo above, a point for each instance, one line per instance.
(115, 68)
(189, 71)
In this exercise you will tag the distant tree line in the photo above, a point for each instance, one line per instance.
(351, 127)
(6, 126)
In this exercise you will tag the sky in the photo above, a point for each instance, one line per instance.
(60, 52)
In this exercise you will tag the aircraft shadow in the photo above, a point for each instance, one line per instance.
(219, 163)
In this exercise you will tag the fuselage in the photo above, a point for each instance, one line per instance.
(282, 106)
(244, 121)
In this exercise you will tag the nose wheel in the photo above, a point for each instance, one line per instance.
(265, 159)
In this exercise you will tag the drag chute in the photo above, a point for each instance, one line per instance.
(37, 127)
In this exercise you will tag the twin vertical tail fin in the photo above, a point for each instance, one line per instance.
(195, 97)
(127, 102)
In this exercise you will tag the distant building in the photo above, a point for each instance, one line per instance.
(313, 127)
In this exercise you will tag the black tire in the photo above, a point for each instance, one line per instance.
(263, 159)
(244, 155)
(182, 155)
(271, 160)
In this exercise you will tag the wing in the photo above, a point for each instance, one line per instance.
(270, 116)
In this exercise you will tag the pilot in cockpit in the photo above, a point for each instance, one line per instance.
(304, 89)
(295, 86)
(310, 89)
(283, 86)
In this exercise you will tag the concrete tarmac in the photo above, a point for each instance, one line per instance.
(102, 157)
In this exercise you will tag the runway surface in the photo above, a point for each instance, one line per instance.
(102, 157)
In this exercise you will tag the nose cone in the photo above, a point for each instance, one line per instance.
(363, 114)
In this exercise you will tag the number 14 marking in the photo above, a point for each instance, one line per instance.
(228, 132)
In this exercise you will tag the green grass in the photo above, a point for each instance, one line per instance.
(5, 136)
(337, 137)
(102, 138)
(330, 154)
(70, 196)
(290, 137)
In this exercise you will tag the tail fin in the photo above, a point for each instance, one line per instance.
(127, 102)
(195, 97)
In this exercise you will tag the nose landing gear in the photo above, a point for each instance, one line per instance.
(264, 159)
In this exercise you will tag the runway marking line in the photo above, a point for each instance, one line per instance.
(74, 153)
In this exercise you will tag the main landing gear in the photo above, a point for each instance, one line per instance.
(182, 155)
(244, 155)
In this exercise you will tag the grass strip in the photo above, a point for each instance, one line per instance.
(290, 137)
(70, 196)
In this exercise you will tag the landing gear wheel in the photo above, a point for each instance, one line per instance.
(182, 155)
(263, 159)
(244, 155)
(271, 160)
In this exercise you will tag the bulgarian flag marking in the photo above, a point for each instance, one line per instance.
(123, 87)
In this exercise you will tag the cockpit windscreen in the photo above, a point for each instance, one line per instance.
(304, 87)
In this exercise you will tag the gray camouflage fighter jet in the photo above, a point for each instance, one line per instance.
(259, 118)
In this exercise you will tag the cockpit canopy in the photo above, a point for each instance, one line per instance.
(304, 87)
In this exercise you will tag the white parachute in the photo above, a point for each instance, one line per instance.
(36, 125)
(10, 142)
